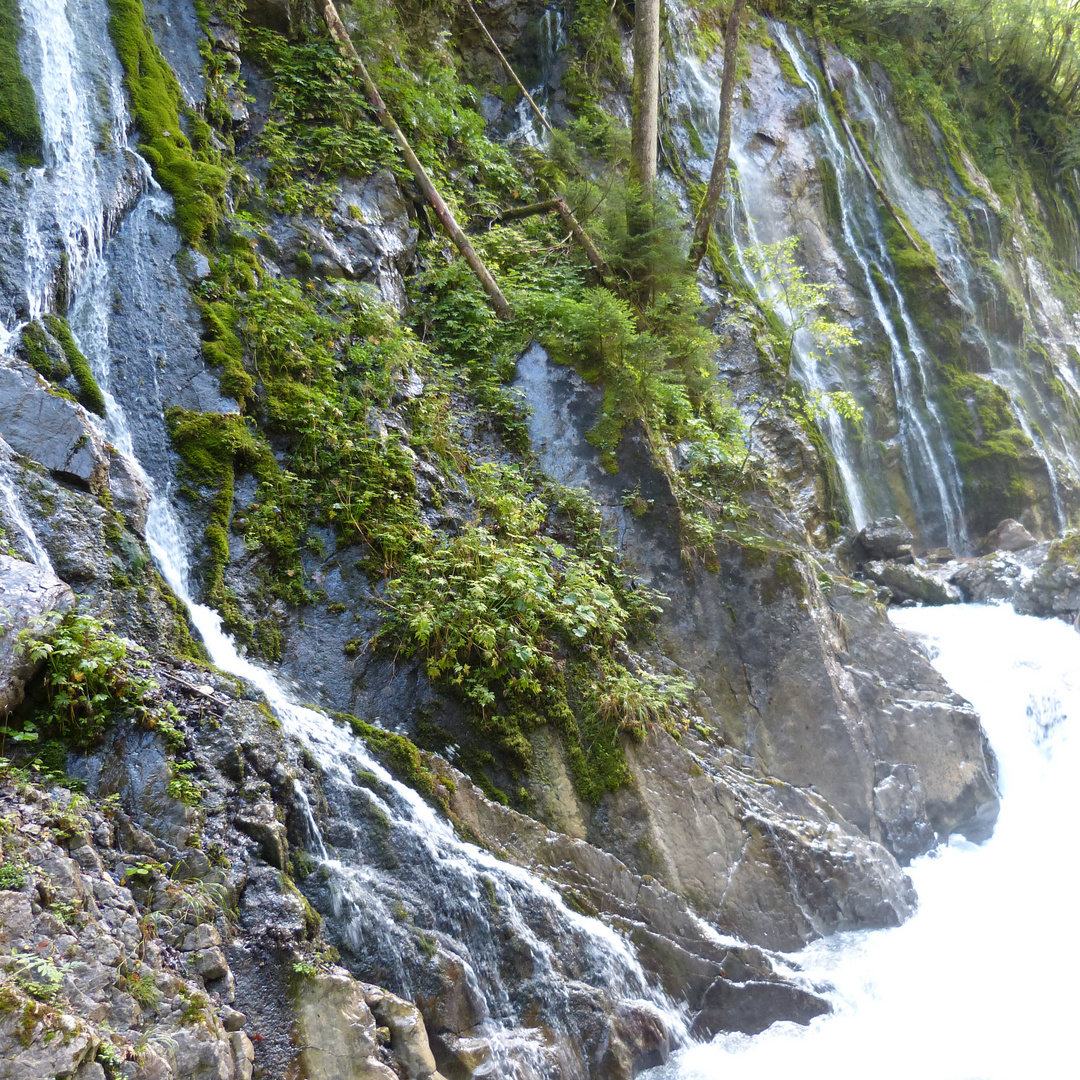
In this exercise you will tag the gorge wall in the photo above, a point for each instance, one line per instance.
(415, 694)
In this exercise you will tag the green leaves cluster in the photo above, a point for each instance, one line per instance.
(89, 675)
(488, 606)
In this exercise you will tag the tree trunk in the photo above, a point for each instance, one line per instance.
(718, 177)
(646, 95)
(431, 193)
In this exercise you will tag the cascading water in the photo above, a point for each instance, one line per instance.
(468, 904)
(931, 474)
(551, 39)
(1047, 421)
(15, 513)
(981, 983)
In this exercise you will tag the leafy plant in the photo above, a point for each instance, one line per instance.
(88, 674)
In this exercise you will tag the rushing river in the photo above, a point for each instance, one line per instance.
(982, 983)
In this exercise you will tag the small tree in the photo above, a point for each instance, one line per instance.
(799, 308)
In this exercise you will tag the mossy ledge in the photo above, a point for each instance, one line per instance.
(185, 171)
(20, 128)
(90, 395)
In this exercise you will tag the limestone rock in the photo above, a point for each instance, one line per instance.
(994, 577)
(130, 494)
(912, 583)
(48, 428)
(886, 538)
(1010, 535)
(262, 826)
(408, 1035)
(336, 1031)
(750, 1007)
(900, 807)
(28, 595)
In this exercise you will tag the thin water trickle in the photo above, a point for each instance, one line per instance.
(982, 983)
(13, 506)
(552, 39)
(472, 899)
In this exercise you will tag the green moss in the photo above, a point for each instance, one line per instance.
(90, 395)
(42, 354)
(195, 182)
(20, 128)
(399, 755)
(223, 348)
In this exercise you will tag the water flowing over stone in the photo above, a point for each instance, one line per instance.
(894, 989)
(466, 908)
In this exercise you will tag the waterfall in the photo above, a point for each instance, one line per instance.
(981, 983)
(469, 904)
(1050, 429)
(552, 38)
(931, 473)
(16, 515)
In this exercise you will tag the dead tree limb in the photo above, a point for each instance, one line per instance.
(431, 193)
(560, 206)
(506, 64)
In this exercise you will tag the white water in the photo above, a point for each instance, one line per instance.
(528, 129)
(982, 984)
(14, 511)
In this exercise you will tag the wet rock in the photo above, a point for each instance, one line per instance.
(28, 596)
(886, 538)
(1010, 535)
(130, 494)
(994, 577)
(912, 583)
(1053, 590)
(262, 826)
(48, 428)
(336, 1031)
(900, 807)
(751, 1007)
(408, 1036)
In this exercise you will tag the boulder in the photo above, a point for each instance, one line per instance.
(751, 1007)
(28, 596)
(1010, 535)
(900, 808)
(336, 1031)
(886, 538)
(912, 583)
(408, 1035)
(993, 577)
(50, 428)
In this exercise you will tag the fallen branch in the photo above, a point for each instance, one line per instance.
(431, 193)
(506, 64)
(560, 206)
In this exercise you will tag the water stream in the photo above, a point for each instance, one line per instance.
(981, 983)
(463, 903)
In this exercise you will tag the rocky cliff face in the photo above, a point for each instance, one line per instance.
(242, 888)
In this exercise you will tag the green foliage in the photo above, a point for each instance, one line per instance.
(89, 675)
(20, 128)
(12, 872)
(502, 611)
(321, 125)
(190, 174)
(41, 973)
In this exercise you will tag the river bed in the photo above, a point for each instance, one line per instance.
(982, 983)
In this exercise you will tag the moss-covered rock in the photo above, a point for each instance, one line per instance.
(187, 172)
(20, 128)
